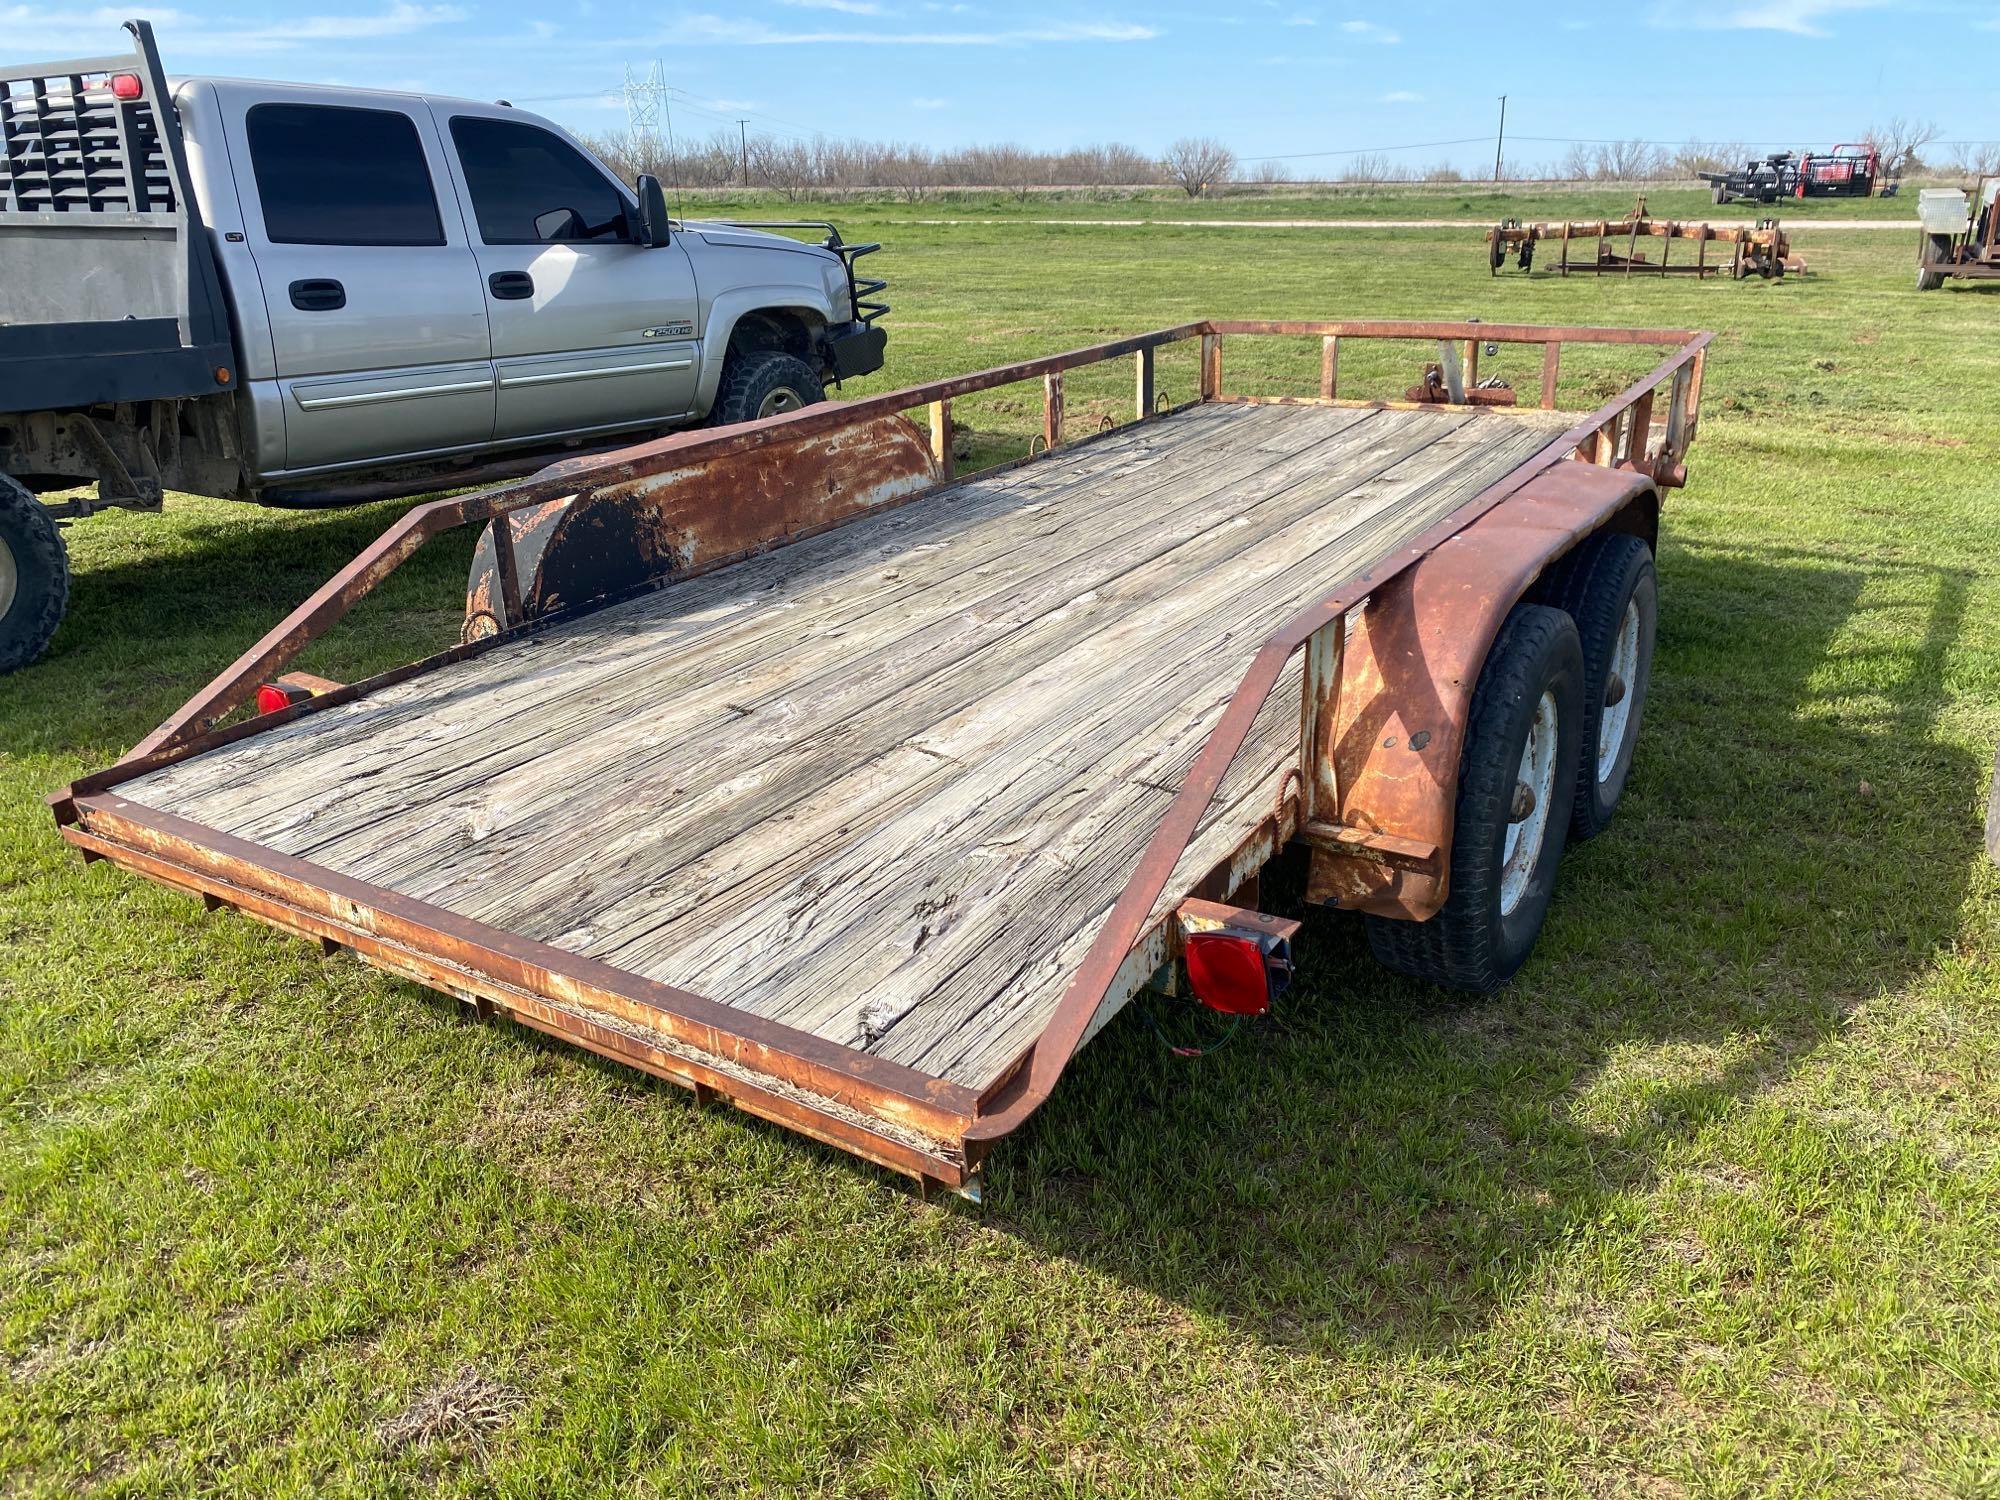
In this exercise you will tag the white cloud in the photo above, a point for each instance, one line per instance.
(1368, 31)
(1301, 20)
(704, 28)
(845, 7)
(1798, 17)
(929, 103)
(1402, 96)
(33, 30)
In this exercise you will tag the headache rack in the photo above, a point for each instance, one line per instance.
(111, 290)
(865, 291)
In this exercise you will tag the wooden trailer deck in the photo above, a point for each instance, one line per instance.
(779, 762)
(881, 785)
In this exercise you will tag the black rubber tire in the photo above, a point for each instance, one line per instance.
(1718, 194)
(34, 545)
(753, 375)
(1595, 584)
(1471, 944)
(1939, 247)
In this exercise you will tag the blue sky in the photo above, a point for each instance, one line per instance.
(1270, 77)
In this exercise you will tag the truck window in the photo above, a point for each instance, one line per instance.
(529, 187)
(337, 176)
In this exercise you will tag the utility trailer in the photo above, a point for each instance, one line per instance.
(1960, 234)
(783, 763)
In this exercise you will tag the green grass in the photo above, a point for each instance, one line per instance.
(1394, 200)
(1704, 1204)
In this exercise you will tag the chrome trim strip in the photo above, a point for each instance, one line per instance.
(402, 393)
(555, 376)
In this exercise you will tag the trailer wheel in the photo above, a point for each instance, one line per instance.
(764, 383)
(1718, 194)
(1938, 249)
(1609, 588)
(1516, 781)
(34, 576)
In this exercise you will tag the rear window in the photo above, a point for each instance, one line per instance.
(334, 176)
(522, 180)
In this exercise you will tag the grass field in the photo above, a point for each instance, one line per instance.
(1705, 1203)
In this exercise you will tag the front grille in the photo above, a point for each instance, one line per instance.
(70, 147)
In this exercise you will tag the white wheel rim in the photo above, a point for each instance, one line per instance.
(1616, 718)
(783, 399)
(10, 578)
(1526, 835)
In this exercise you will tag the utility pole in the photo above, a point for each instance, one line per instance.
(1500, 141)
(743, 140)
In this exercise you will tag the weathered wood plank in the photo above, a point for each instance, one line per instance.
(883, 783)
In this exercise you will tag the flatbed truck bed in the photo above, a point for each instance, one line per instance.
(866, 819)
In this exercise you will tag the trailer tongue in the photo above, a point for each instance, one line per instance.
(864, 795)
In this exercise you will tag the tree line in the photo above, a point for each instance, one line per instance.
(1198, 165)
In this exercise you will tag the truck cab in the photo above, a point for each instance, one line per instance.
(306, 295)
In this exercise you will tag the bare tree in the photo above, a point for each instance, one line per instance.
(1443, 171)
(1901, 143)
(1195, 164)
(1980, 160)
(1711, 156)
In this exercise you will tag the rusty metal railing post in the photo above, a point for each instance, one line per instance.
(941, 435)
(1552, 361)
(1640, 436)
(1052, 408)
(1142, 385)
(1211, 366)
(1329, 366)
(508, 568)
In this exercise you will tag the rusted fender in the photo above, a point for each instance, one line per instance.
(1413, 658)
(614, 537)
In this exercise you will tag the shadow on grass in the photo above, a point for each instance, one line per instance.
(148, 625)
(1387, 1162)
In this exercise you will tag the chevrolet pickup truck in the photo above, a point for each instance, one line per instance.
(305, 296)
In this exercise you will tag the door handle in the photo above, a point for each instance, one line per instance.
(318, 294)
(511, 286)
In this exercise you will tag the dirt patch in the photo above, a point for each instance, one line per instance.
(462, 1410)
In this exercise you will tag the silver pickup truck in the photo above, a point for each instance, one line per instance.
(307, 296)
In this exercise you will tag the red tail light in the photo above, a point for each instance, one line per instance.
(1238, 960)
(126, 86)
(1227, 973)
(273, 696)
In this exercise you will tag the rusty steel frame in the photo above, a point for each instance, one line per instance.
(931, 1129)
(1760, 251)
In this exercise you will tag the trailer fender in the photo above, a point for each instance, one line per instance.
(1412, 658)
(620, 536)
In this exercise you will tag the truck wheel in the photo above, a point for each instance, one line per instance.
(34, 576)
(1719, 194)
(763, 383)
(1609, 588)
(1516, 780)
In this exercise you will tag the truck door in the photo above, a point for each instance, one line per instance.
(590, 328)
(377, 318)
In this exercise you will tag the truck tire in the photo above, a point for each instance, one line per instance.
(762, 383)
(34, 576)
(1522, 738)
(1719, 194)
(1609, 588)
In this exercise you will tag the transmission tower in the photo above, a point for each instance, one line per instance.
(645, 95)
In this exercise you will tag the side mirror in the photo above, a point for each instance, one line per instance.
(653, 228)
